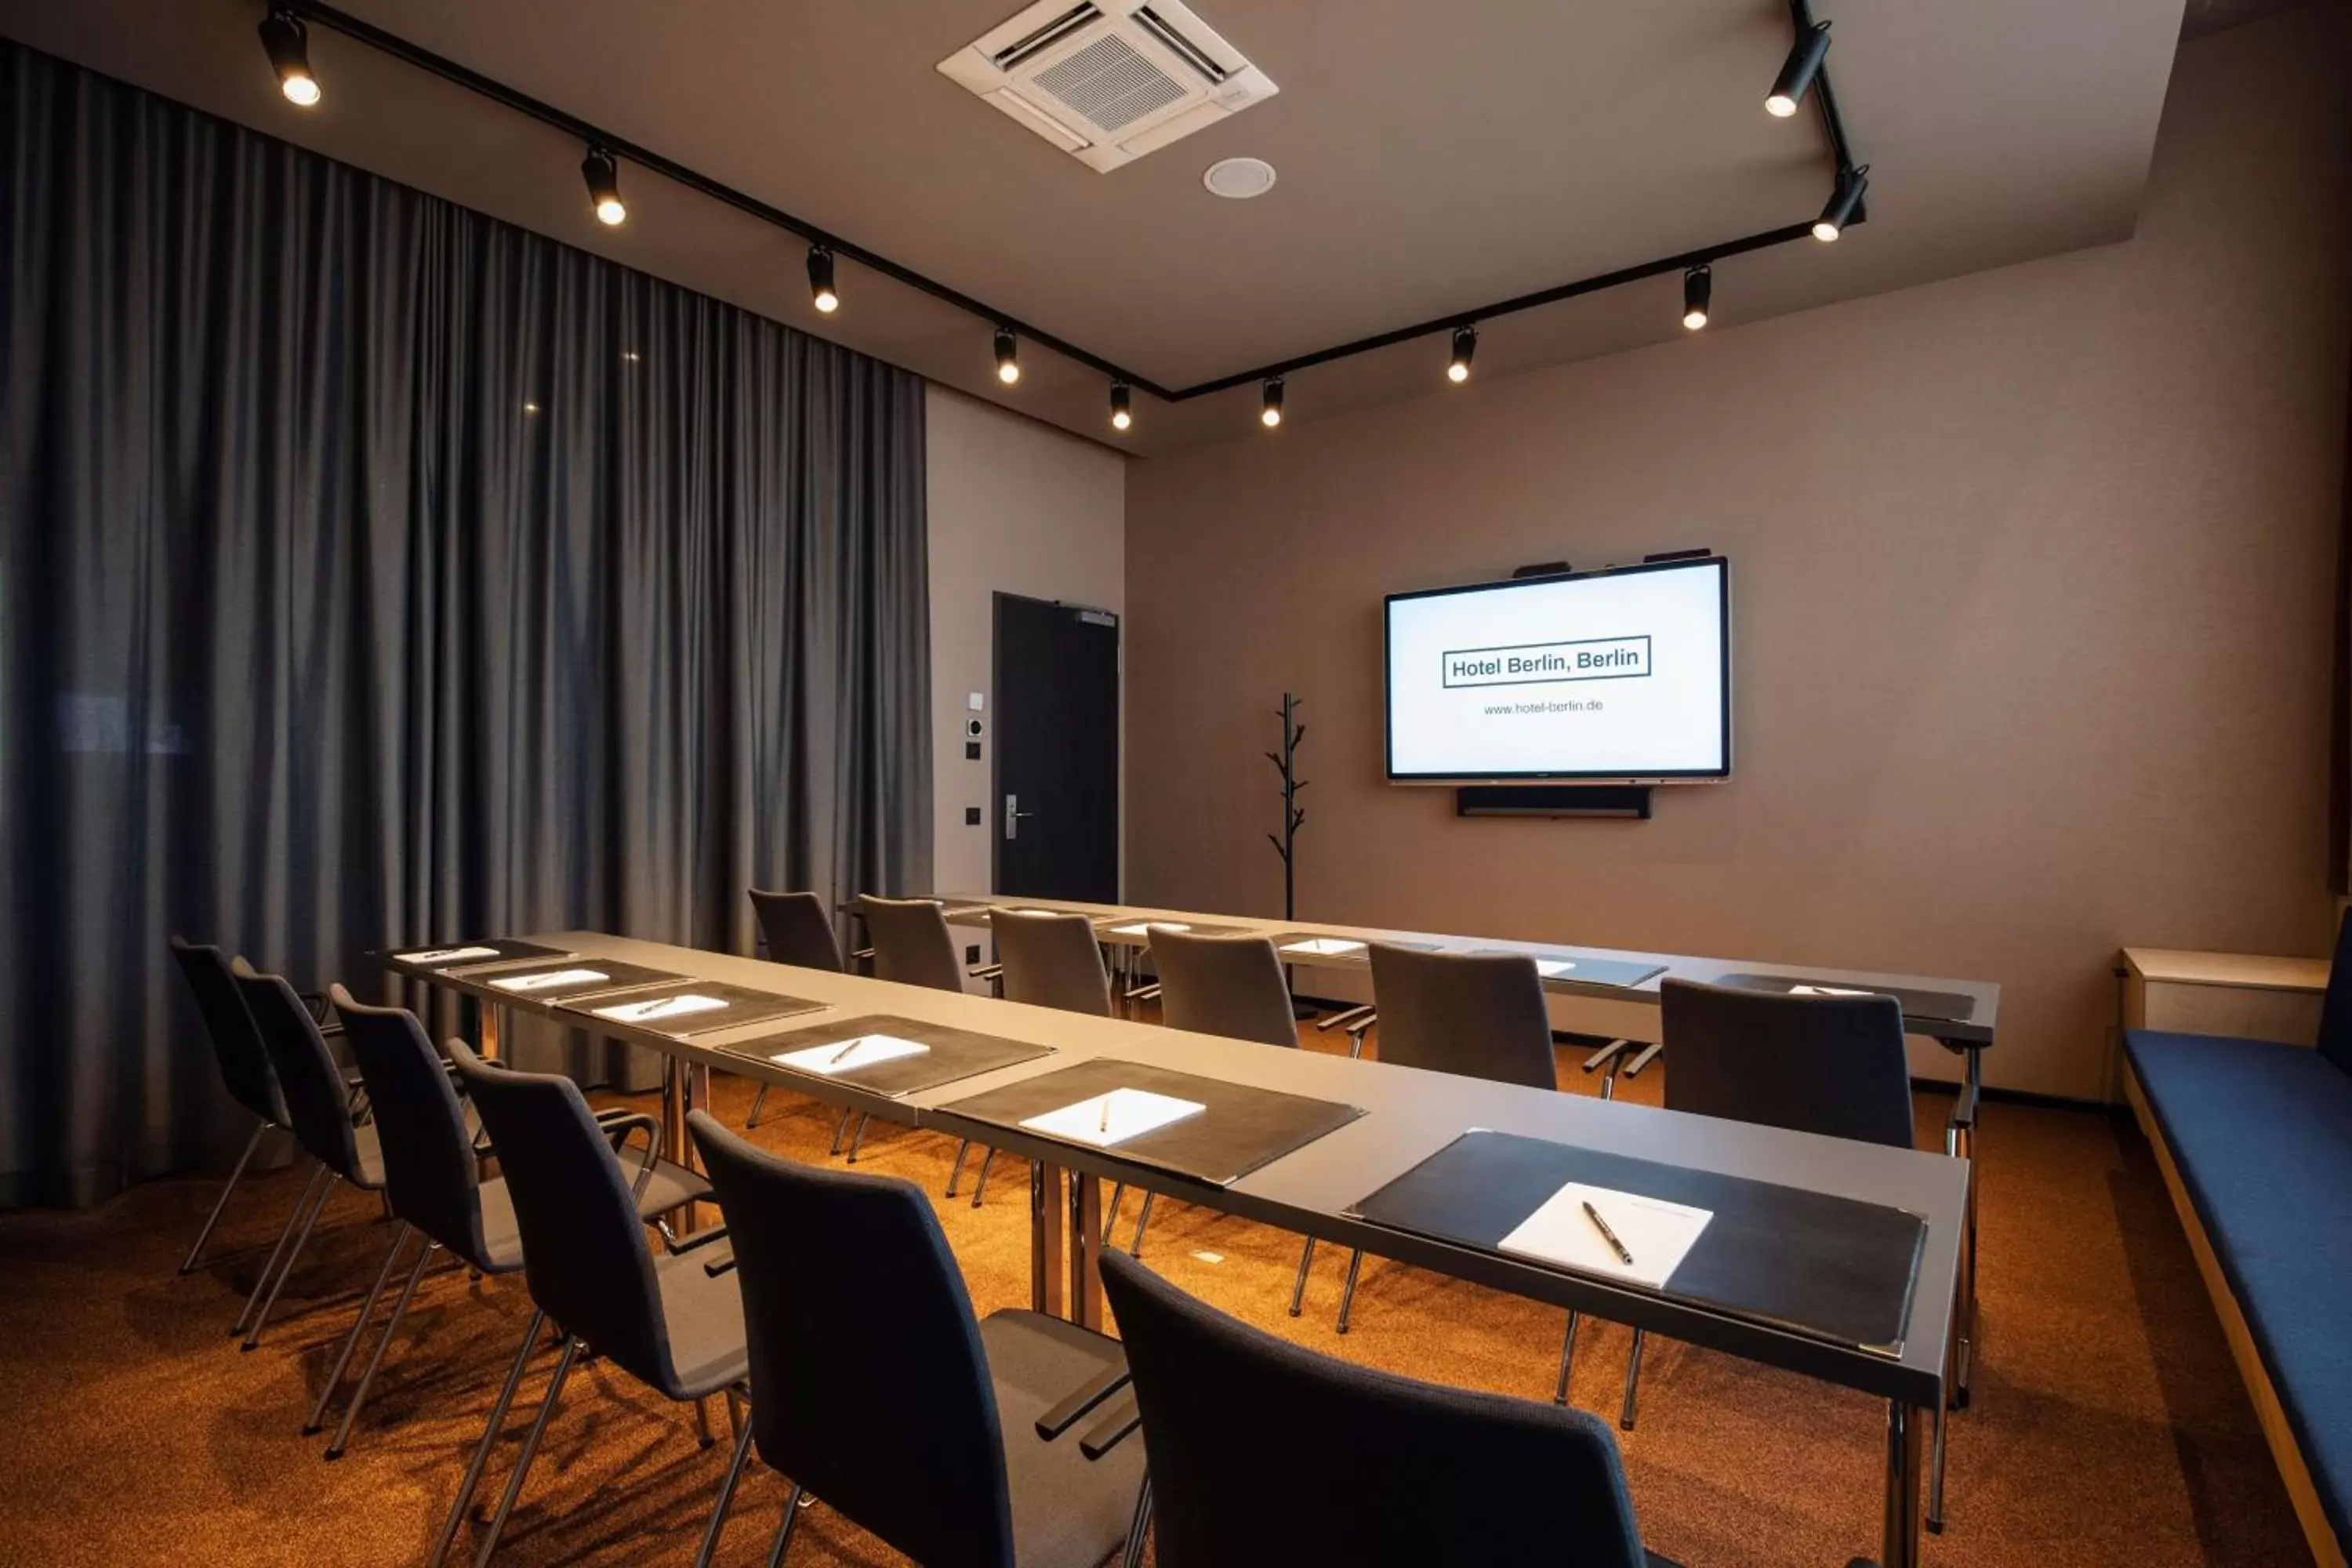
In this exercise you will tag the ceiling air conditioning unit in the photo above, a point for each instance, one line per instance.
(1108, 80)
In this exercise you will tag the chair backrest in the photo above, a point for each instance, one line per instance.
(798, 928)
(236, 1044)
(1230, 985)
(1480, 1014)
(869, 1384)
(912, 944)
(1263, 1452)
(585, 1256)
(1833, 1065)
(318, 1100)
(1051, 961)
(2335, 1009)
(430, 1173)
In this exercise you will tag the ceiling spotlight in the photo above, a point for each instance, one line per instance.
(1698, 288)
(1844, 202)
(820, 270)
(1122, 414)
(603, 173)
(1008, 356)
(288, 42)
(1797, 74)
(1465, 344)
(1271, 415)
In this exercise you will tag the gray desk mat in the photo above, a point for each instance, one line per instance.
(609, 974)
(1243, 1128)
(1583, 969)
(1952, 1006)
(955, 1054)
(745, 1007)
(504, 950)
(1829, 1268)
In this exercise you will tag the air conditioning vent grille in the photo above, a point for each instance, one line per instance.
(1110, 84)
(1046, 36)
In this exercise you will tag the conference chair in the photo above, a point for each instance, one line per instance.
(1051, 961)
(1228, 986)
(797, 929)
(244, 1064)
(1262, 1452)
(1476, 1014)
(875, 1387)
(912, 945)
(667, 1321)
(433, 1177)
(326, 1119)
(1830, 1065)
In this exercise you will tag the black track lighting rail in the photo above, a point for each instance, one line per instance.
(449, 70)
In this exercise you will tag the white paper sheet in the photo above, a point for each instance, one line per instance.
(551, 978)
(1548, 967)
(1658, 1234)
(660, 1010)
(446, 954)
(1033, 911)
(1827, 991)
(1113, 1117)
(1324, 946)
(1145, 928)
(840, 1056)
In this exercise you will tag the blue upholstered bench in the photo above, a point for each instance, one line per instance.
(2255, 1141)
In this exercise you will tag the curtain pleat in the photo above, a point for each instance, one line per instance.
(372, 571)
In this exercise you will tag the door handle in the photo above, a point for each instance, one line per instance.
(1013, 816)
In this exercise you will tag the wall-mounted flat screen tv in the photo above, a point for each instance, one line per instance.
(1623, 675)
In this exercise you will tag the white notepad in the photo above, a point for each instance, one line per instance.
(660, 1010)
(840, 1056)
(1113, 1117)
(446, 954)
(1033, 911)
(1827, 991)
(1145, 928)
(1324, 946)
(551, 978)
(1658, 1234)
(1548, 967)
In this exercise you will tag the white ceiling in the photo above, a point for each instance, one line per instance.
(1435, 154)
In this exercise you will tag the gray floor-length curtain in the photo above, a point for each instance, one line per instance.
(373, 570)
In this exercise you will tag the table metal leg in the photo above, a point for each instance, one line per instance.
(490, 1012)
(1045, 1278)
(1086, 1251)
(1899, 1542)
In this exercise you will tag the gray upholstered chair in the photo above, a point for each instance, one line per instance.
(797, 928)
(1051, 961)
(1476, 1014)
(876, 1387)
(243, 1061)
(668, 1321)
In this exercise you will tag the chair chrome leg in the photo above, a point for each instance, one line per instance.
(784, 1531)
(718, 1524)
(857, 1140)
(1567, 1354)
(1935, 1477)
(529, 1452)
(391, 1328)
(979, 1187)
(1111, 1214)
(1348, 1297)
(1141, 1220)
(1633, 1378)
(489, 1438)
(841, 1131)
(188, 1264)
(758, 1101)
(956, 1174)
(293, 1255)
(359, 1325)
(276, 1252)
(702, 1421)
(1299, 1291)
(1139, 1529)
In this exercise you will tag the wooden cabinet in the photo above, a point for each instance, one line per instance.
(2223, 993)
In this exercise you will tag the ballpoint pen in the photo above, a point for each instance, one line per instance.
(1105, 1111)
(844, 1053)
(1608, 1235)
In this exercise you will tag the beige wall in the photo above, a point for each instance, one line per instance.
(2033, 584)
(1018, 508)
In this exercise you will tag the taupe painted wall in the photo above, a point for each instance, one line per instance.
(2032, 597)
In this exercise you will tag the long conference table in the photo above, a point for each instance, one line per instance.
(1329, 1186)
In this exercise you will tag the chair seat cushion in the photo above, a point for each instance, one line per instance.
(1069, 1512)
(2262, 1134)
(705, 1317)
